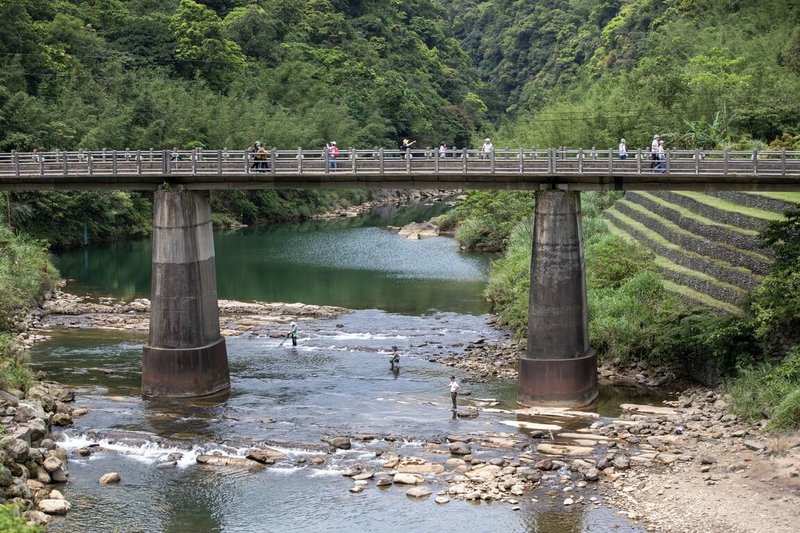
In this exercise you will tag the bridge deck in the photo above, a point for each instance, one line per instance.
(378, 168)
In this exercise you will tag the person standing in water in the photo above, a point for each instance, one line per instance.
(293, 334)
(453, 391)
(395, 360)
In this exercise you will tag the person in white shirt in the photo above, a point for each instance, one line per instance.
(453, 391)
(623, 150)
(654, 151)
(487, 148)
(442, 150)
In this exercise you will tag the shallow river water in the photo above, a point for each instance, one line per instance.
(336, 382)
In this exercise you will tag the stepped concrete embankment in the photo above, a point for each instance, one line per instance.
(732, 218)
(711, 232)
(756, 201)
(698, 245)
(733, 276)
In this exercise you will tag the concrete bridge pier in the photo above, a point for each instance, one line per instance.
(558, 368)
(185, 355)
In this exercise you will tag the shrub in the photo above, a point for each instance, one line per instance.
(770, 390)
(14, 371)
(12, 522)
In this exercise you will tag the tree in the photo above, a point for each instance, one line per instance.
(202, 49)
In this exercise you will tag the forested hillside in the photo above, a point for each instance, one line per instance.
(92, 74)
(712, 73)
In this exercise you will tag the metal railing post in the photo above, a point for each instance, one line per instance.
(247, 162)
(114, 163)
(353, 159)
(272, 160)
(783, 163)
(327, 161)
(580, 160)
(436, 162)
(464, 160)
(16, 163)
(219, 162)
(381, 160)
(668, 156)
(521, 161)
(138, 162)
(64, 163)
(491, 161)
(299, 159)
(610, 161)
(638, 161)
(696, 161)
(755, 162)
(40, 158)
(407, 156)
(90, 163)
(166, 157)
(725, 157)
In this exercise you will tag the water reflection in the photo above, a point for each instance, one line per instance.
(352, 262)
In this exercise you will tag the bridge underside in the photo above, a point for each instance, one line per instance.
(563, 180)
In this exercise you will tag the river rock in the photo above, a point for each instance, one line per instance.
(418, 492)
(222, 460)
(16, 449)
(407, 479)
(53, 506)
(264, 455)
(442, 500)
(36, 518)
(416, 465)
(342, 443)
(363, 476)
(460, 448)
(51, 464)
(110, 478)
(415, 230)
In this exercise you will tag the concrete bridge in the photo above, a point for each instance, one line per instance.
(186, 355)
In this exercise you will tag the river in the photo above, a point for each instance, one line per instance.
(423, 297)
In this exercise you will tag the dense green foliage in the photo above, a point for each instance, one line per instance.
(12, 522)
(772, 389)
(587, 72)
(140, 73)
(26, 274)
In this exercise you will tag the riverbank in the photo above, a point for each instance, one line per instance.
(687, 466)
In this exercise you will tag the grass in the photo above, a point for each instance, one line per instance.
(671, 226)
(687, 213)
(724, 205)
(682, 290)
(790, 197)
(666, 264)
(699, 297)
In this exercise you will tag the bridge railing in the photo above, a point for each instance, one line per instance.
(425, 161)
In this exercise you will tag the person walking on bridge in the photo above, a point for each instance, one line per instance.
(623, 150)
(487, 148)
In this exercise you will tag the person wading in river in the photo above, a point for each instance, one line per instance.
(293, 334)
(453, 391)
(394, 362)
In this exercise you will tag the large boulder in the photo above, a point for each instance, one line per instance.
(415, 230)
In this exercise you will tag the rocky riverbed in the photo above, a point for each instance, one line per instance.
(685, 466)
